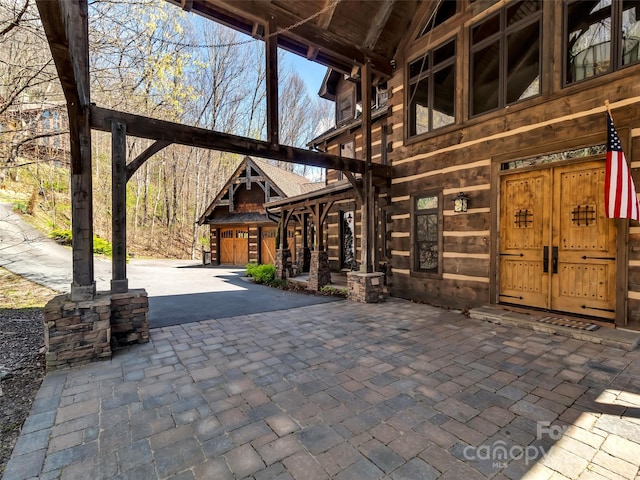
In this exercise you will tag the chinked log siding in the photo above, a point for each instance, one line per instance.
(466, 158)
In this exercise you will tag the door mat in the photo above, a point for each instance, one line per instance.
(565, 322)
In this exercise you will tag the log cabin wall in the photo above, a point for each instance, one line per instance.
(468, 155)
(334, 230)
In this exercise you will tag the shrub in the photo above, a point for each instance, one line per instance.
(329, 290)
(20, 207)
(61, 236)
(101, 246)
(261, 273)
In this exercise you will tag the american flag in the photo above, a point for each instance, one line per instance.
(620, 198)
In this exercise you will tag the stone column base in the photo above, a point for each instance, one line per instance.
(129, 317)
(283, 263)
(366, 287)
(79, 332)
(76, 333)
(319, 272)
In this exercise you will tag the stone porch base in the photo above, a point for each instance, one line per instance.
(366, 287)
(76, 333)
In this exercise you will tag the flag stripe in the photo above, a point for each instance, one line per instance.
(620, 197)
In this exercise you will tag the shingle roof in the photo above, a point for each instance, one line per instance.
(290, 183)
(287, 183)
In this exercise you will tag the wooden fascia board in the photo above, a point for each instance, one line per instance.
(60, 19)
(154, 129)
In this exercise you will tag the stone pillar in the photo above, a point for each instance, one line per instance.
(76, 333)
(306, 261)
(283, 263)
(319, 272)
(366, 287)
(300, 258)
(129, 317)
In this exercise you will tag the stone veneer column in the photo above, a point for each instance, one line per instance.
(283, 263)
(76, 333)
(129, 317)
(366, 287)
(319, 272)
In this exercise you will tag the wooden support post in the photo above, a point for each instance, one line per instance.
(283, 230)
(119, 282)
(67, 28)
(271, 45)
(305, 230)
(319, 228)
(367, 229)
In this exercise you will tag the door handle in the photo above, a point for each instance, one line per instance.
(545, 259)
(554, 260)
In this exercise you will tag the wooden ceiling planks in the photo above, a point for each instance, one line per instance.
(339, 35)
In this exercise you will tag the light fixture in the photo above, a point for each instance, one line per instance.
(460, 203)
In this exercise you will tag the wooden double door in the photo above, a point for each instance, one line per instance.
(557, 248)
(234, 246)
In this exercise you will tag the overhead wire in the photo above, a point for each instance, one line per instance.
(330, 5)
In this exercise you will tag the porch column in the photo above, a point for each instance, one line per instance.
(306, 259)
(271, 46)
(69, 42)
(283, 254)
(119, 282)
(367, 229)
(367, 285)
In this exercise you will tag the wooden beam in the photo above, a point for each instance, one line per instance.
(337, 52)
(367, 225)
(324, 20)
(119, 282)
(187, 5)
(66, 26)
(271, 50)
(144, 127)
(354, 182)
(137, 162)
(378, 24)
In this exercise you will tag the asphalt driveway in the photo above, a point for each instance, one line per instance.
(180, 291)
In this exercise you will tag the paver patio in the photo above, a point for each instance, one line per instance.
(345, 391)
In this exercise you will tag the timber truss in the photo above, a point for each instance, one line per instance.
(66, 25)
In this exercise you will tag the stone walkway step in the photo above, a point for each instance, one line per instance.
(610, 337)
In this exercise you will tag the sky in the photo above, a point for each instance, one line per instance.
(312, 73)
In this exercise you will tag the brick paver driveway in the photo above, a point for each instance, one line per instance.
(344, 391)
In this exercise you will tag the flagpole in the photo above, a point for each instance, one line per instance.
(606, 104)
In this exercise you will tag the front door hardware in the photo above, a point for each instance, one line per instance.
(512, 254)
(545, 259)
(584, 307)
(584, 257)
(583, 215)
(523, 218)
(554, 260)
